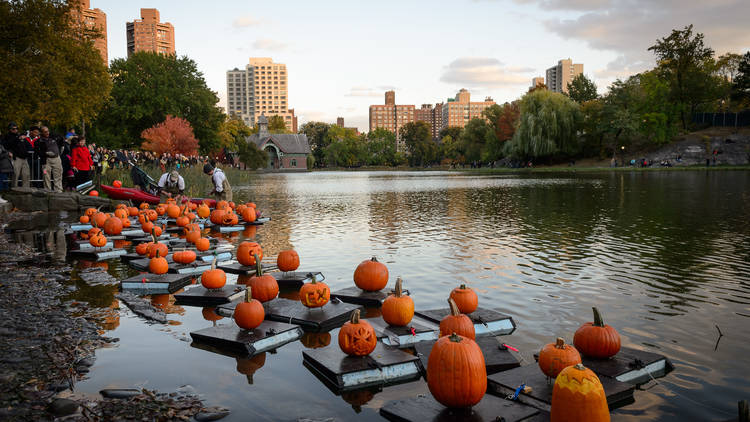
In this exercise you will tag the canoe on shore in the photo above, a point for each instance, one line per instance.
(137, 196)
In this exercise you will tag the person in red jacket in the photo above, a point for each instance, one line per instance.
(81, 162)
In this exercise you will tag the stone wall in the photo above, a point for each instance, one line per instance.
(31, 199)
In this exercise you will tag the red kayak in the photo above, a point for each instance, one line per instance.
(137, 196)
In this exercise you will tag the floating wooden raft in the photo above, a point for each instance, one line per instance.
(423, 331)
(356, 295)
(491, 408)
(201, 296)
(385, 365)
(631, 366)
(268, 336)
(497, 357)
(148, 283)
(503, 383)
(84, 245)
(98, 254)
(326, 318)
(487, 322)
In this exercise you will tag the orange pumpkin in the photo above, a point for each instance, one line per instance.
(117, 184)
(173, 211)
(184, 257)
(357, 337)
(248, 214)
(147, 227)
(398, 309)
(152, 215)
(265, 287)
(217, 215)
(90, 212)
(578, 395)
(113, 226)
(161, 209)
(246, 253)
(144, 205)
(457, 323)
(287, 260)
(94, 193)
(100, 218)
(222, 205)
(93, 231)
(98, 240)
(133, 211)
(555, 357)
(597, 339)
(202, 244)
(84, 219)
(213, 278)
(465, 298)
(371, 275)
(157, 230)
(142, 248)
(314, 294)
(456, 375)
(121, 213)
(158, 265)
(125, 222)
(229, 219)
(203, 211)
(250, 313)
(192, 233)
(157, 248)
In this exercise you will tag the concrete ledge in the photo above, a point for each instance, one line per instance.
(31, 199)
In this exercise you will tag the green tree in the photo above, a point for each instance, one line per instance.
(50, 70)
(149, 86)
(688, 67)
(233, 132)
(478, 141)
(453, 131)
(251, 155)
(549, 124)
(418, 140)
(344, 148)
(381, 147)
(741, 84)
(276, 124)
(449, 151)
(582, 89)
(317, 137)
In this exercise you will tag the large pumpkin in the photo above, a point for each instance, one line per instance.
(398, 309)
(158, 265)
(371, 275)
(314, 294)
(457, 323)
(578, 395)
(213, 278)
(597, 339)
(287, 260)
(184, 257)
(555, 357)
(113, 226)
(465, 298)
(357, 337)
(203, 211)
(248, 214)
(217, 215)
(229, 218)
(265, 287)
(173, 211)
(249, 314)
(99, 219)
(456, 375)
(246, 253)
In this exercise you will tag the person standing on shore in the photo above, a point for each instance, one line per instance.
(21, 151)
(9, 140)
(81, 162)
(222, 189)
(49, 155)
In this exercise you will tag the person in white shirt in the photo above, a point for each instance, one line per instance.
(222, 190)
(171, 184)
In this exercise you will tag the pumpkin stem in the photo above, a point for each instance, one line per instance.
(454, 307)
(213, 263)
(462, 287)
(248, 294)
(560, 343)
(355, 317)
(598, 321)
(579, 366)
(397, 291)
(153, 236)
(374, 259)
(455, 338)
(258, 267)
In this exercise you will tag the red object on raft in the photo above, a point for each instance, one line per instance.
(138, 196)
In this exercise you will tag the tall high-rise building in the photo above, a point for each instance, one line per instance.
(92, 19)
(340, 121)
(260, 89)
(433, 116)
(459, 110)
(149, 34)
(392, 117)
(538, 81)
(558, 77)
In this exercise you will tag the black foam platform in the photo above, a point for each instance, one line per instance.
(148, 283)
(631, 365)
(84, 245)
(325, 318)
(269, 335)
(98, 254)
(424, 331)
(490, 408)
(200, 296)
(487, 322)
(497, 358)
(356, 295)
(295, 279)
(237, 268)
(385, 365)
(503, 383)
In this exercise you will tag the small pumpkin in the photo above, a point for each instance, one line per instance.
(161, 209)
(184, 257)
(202, 244)
(555, 357)
(578, 395)
(98, 240)
(246, 253)
(398, 309)
(117, 184)
(147, 227)
(90, 212)
(113, 226)
(157, 247)
(192, 232)
(465, 298)
(357, 337)
(173, 211)
(93, 231)
(456, 375)
(125, 222)
(249, 314)
(84, 219)
(457, 323)
(157, 230)
(132, 211)
(182, 221)
(287, 260)
(152, 215)
(94, 193)
(229, 218)
(143, 205)
(142, 248)
(222, 205)
(371, 275)
(217, 215)
(99, 218)
(214, 278)
(597, 339)
(121, 213)
(265, 287)
(158, 264)
(314, 294)
(203, 211)
(248, 214)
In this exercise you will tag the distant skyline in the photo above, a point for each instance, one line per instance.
(342, 56)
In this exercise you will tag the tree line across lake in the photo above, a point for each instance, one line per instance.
(54, 76)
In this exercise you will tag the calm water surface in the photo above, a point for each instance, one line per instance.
(664, 255)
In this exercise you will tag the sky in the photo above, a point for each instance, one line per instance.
(342, 56)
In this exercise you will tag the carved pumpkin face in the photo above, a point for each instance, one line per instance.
(456, 374)
(229, 219)
(371, 275)
(217, 215)
(98, 240)
(465, 298)
(357, 337)
(578, 395)
(246, 253)
(314, 294)
(457, 323)
(555, 357)
(597, 339)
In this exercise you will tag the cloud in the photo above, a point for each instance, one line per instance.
(484, 72)
(568, 4)
(246, 21)
(364, 91)
(269, 44)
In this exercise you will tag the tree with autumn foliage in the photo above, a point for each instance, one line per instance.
(173, 135)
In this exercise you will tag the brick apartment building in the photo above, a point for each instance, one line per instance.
(149, 34)
(459, 110)
(392, 117)
(558, 77)
(94, 19)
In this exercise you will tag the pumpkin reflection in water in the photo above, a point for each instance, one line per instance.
(291, 294)
(249, 366)
(111, 318)
(250, 232)
(358, 398)
(209, 314)
(315, 340)
(166, 304)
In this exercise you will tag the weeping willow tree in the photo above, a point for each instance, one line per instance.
(548, 125)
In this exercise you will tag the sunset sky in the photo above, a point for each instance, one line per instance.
(342, 55)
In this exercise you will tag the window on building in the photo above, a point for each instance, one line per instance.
(293, 163)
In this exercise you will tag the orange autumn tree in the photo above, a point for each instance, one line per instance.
(173, 135)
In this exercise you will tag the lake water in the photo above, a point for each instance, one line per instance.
(664, 255)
